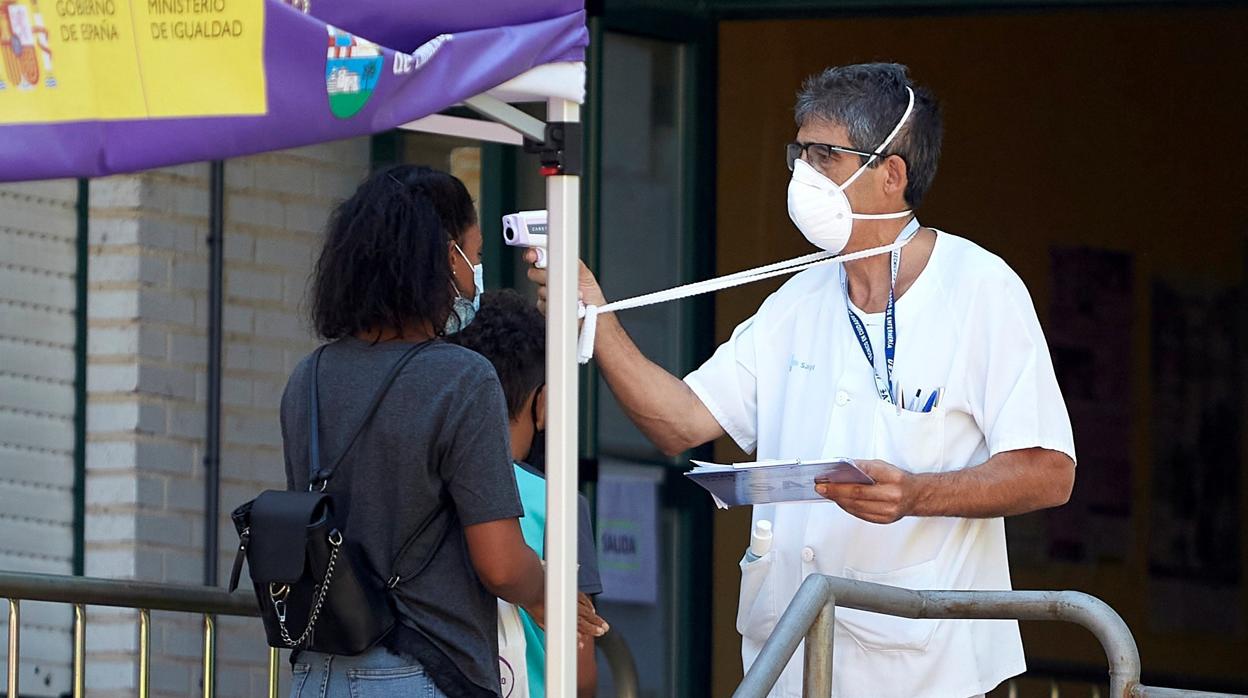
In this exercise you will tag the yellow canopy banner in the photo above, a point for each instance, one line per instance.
(77, 60)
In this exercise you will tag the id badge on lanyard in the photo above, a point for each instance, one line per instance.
(883, 384)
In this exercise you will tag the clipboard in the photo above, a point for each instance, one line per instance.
(773, 481)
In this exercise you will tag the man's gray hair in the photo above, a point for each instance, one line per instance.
(868, 100)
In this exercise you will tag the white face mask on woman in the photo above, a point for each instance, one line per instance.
(818, 206)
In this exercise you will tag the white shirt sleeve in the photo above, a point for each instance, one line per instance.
(728, 385)
(1012, 389)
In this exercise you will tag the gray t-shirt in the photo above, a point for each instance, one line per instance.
(439, 439)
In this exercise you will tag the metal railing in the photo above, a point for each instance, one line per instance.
(208, 602)
(620, 660)
(812, 616)
(1050, 687)
(1057, 679)
(146, 597)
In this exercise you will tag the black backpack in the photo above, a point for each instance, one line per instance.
(314, 591)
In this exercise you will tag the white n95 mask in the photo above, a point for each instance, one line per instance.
(818, 206)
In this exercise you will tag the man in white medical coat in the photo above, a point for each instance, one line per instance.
(926, 363)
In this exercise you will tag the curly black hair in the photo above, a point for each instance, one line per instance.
(510, 331)
(384, 263)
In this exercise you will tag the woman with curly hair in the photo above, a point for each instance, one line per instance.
(427, 489)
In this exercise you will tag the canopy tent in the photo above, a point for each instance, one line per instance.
(97, 87)
(122, 86)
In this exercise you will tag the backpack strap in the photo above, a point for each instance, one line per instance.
(318, 476)
(314, 434)
(396, 578)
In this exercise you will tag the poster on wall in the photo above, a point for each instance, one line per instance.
(1197, 413)
(628, 539)
(1090, 326)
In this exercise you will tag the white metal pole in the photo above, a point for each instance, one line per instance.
(563, 203)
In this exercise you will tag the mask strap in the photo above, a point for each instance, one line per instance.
(880, 216)
(896, 130)
(463, 256)
(589, 325)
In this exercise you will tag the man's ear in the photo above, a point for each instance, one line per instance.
(897, 176)
(540, 398)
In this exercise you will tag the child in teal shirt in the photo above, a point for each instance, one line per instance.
(511, 333)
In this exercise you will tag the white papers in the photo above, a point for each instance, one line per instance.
(773, 481)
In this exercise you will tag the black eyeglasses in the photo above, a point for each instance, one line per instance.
(818, 154)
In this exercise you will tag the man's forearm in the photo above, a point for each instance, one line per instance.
(1008, 484)
(662, 406)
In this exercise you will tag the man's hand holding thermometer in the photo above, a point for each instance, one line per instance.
(529, 229)
(674, 418)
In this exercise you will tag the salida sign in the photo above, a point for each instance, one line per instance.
(628, 538)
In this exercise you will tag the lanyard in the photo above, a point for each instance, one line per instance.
(882, 386)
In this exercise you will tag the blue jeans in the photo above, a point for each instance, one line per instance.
(377, 673)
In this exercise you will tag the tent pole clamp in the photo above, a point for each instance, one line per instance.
(557, 143)
(561, 151)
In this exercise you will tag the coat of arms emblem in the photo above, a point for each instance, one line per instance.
(352, 67)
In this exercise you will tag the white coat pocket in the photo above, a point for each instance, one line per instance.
(913, 441)
(874, 631)
(756, 611)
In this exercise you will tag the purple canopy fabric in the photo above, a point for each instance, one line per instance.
(96, 87)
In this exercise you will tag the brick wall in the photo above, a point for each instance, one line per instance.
(38, 263)
(148, 306)
(147, 352)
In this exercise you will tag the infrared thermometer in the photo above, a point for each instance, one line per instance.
(527, 229)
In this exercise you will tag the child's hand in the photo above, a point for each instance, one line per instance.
(588, 623)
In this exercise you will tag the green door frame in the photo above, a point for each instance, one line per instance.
(82, 209)
(698, 36)
(498, 198)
